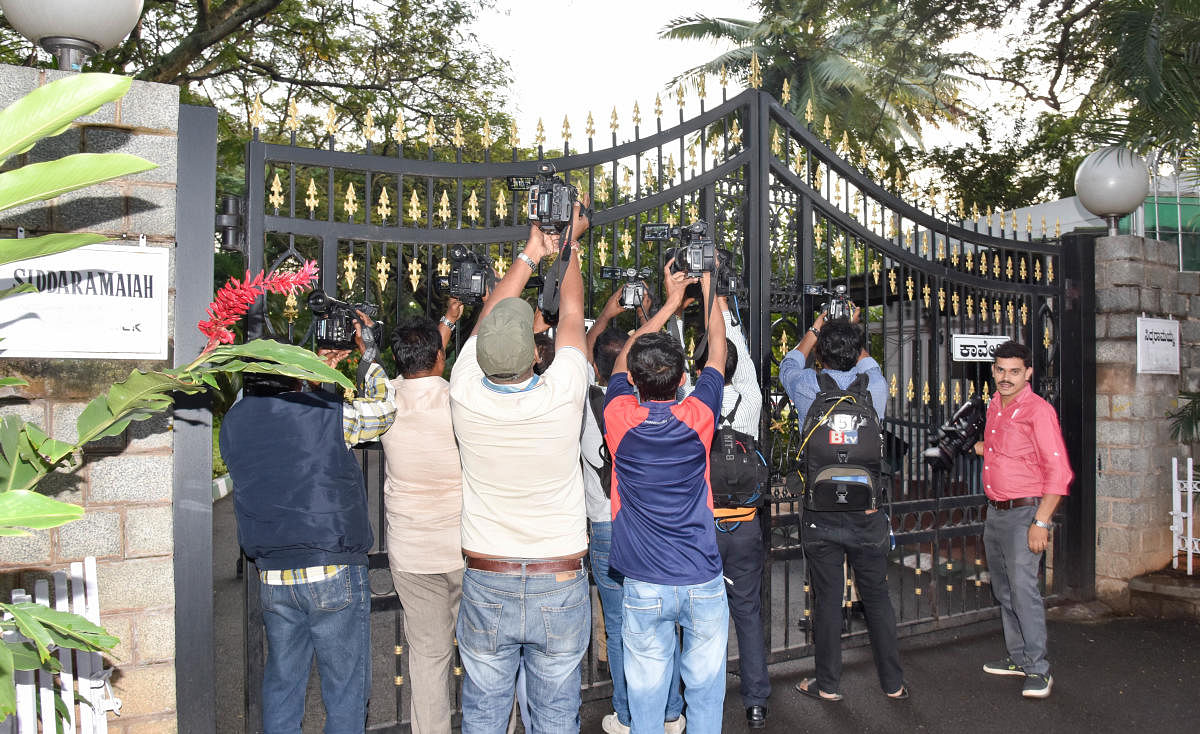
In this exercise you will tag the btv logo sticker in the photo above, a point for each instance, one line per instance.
(843, 437)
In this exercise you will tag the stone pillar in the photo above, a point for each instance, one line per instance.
(125, 485)
(1136, 276)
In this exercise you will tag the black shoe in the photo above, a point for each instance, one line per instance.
(756, 716)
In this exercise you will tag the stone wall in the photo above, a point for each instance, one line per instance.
(1136, 276)
(126, 482)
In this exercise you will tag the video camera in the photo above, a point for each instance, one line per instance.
(471, 276)
(839, 305)
(958, 435)
(697, 253)
(551, 201)
(634, 290)
(333, 321)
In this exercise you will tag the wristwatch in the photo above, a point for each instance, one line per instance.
(814, 330)
(1042, 525)
(527, 260)
(448, 323)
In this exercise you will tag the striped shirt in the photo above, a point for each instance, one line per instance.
(363, 418)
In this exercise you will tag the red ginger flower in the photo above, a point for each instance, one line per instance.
(234, 298)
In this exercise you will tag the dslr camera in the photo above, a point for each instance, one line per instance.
(839, 305)
(958, 435)
(471, 276)
(634, 290)
(333, 321)
(551, 201)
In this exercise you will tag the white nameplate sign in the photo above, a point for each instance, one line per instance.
(975, 347)
(1157, 346)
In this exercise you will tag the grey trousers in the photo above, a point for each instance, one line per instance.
(1014, 574)
(430, 604)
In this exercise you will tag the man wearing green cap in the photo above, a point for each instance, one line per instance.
(525, 594)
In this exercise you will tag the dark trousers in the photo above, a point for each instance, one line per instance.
(863, 540)
(742, 555)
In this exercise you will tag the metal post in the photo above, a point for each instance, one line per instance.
(192, 457)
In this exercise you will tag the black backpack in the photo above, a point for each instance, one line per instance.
(842, 451)
(736, 469)
(596, 400)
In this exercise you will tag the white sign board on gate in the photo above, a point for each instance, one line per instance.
(96, 302)
(975, 347)
(1157, 346)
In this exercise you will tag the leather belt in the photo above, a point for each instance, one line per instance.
(1018, 502)
(527, 567)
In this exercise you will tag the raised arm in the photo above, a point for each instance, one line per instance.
(674, 285)
(612, 307)
(454, 312)
(515, 280)
(716, 327)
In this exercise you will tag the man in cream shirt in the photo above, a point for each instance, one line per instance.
(423, 501)
(525, 598)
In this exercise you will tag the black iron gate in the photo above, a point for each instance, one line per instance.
(795, 209)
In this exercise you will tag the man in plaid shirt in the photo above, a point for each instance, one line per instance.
(301, 508)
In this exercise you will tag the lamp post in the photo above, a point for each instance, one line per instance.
(1112, 182)
(73, 30)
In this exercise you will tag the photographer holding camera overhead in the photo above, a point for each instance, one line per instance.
(301, 508)
(525, 598)
(841, 408)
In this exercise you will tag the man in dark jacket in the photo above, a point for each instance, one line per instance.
(301, 509)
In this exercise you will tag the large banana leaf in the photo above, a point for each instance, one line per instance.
(281, 359)
(48, 244)
(21, 508)
(63, 628)
(49, 110)
(38, 181)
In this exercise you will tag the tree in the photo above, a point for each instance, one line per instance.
(873, 66)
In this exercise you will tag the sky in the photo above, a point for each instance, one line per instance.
(597, 54)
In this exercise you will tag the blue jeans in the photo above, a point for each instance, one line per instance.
(608, 583)
(651, 613)
(332, 618)
(535, 620)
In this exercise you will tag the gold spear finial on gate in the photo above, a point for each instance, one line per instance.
(613, 124)
(755, 71)
(1022, 269)
(954, 302)
(414, 207)
(1024, 314)
(473, 207)
(970, 306)
(443, 211)
(735, 133)
(957, 393)
(892, 387)
(457, 138)
(590, 130)
(501, 206)
(983, 264)
(926, 291)
(844, 146)
(786, 95)
(1037, 269)
(500, 266)
(671, 169)
(724, 77)
(330, 121)
(310, 199)
(626, 242)
(996, 265)
(700, 90)
(486, 136)
(637, 115)
(658, 105)
(430, 132)
(292, 122)
(1008, 268)
(983, 309)
(1049, 270)
(443, 267)
(1046, 341)
(679, 98)
(350, 201)
(350, 267)
(382, 269)
(875, 271)
(291, 308)
(925, 393)
(892, 280)
(276, 196)
(941, 299)
(908, 287)
(256, 113)
(1010, 311)
(539, 136)
(566, 130)
(384, 207)
(514, 140)
(808, 111)
(827, 129)
(911, 391)
(369, 127)
(414, 273)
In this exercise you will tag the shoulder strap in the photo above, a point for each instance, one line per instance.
(596, 399)
(826, 383)
(728, 417)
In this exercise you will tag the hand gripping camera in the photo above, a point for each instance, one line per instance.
(471, 276)
(958, 435)
(551, 201)
(839, 305)
(697, 253)
(634, 290)
(333, 321)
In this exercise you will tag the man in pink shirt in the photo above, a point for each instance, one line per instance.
(1025, 475)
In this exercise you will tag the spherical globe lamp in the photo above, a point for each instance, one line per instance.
(73, 30)
(1112, 182)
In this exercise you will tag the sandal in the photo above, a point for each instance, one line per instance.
(808, 687)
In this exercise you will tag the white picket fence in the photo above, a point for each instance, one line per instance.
(82, 671)
(1184, 491)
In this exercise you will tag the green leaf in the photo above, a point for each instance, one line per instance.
(140, 386)
(48, 244)
(288, 360)
(52, 450)
(38, 181)
(12, 382)
(22, 508)
(30, 627)
(69, 630)
(15, 290)
(49, 110)
(8, 692)
(25, 657)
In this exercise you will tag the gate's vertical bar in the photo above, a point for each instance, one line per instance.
(254, 228)
(1077, 355)
(758, 262)
(195, 194)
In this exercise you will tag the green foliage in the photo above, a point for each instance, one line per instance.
(1185, 419)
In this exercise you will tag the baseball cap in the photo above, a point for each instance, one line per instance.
(505, 340)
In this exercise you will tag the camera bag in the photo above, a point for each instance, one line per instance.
(736, 469)
(842, 452)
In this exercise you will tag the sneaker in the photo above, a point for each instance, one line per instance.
(1003, 667)
(676, 726)
(1037, 685)
(613, 725)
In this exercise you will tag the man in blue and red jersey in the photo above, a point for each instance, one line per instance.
(663, 540)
